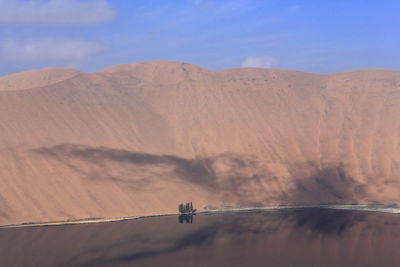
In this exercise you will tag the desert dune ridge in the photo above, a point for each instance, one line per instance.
(138, 139)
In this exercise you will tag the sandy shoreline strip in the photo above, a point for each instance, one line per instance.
(369, 208)
(79, 221)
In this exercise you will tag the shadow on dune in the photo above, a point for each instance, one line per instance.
(4, 204)
(3, 214)
(326, 186)
(238, 179)
(196, 171)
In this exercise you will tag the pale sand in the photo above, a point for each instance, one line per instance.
(138, 139)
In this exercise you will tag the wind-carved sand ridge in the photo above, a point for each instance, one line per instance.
(138, 139)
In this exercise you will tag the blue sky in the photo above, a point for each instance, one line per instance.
(308, 35)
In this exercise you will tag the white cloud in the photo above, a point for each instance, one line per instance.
(55, 11)
(258, 62)
(48, 49)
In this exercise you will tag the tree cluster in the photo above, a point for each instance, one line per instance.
(186, 208)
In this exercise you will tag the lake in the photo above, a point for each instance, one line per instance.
(301, 237)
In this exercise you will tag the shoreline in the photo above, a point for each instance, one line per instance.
(365, 208)
(79, 221)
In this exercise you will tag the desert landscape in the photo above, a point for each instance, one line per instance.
(137, 139)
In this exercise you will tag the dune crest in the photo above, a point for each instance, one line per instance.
(35, 78)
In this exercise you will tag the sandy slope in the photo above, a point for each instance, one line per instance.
(35, 78)
(140, 138)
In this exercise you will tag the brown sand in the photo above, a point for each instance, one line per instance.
(140, 138)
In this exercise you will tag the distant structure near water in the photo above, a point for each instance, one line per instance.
(187, 209)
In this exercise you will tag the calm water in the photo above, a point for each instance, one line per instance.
(310, 237)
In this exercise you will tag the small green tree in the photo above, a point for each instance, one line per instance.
(181, 208)
(191, 207)
(187, 207)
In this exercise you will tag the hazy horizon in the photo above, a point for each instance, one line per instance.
(311, 36)
(240, 67)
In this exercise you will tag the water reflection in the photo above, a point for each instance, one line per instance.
(308, 237)
(185, 218)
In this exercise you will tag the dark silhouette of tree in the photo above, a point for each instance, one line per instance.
(182, 208)
(186, 208)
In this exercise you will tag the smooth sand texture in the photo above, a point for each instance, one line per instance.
(35, 78)
(138, 139)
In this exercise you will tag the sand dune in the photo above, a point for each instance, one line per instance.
(138, 139)
(35, 78)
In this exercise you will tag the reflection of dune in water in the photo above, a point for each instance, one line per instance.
(309, 237)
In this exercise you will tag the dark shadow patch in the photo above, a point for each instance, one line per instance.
(326, 186)
(239, 179)
(137, 184)
(3, 214)
(5, 205)
(135, 169)
(197, 171)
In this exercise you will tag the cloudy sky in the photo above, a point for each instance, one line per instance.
(308, 35)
